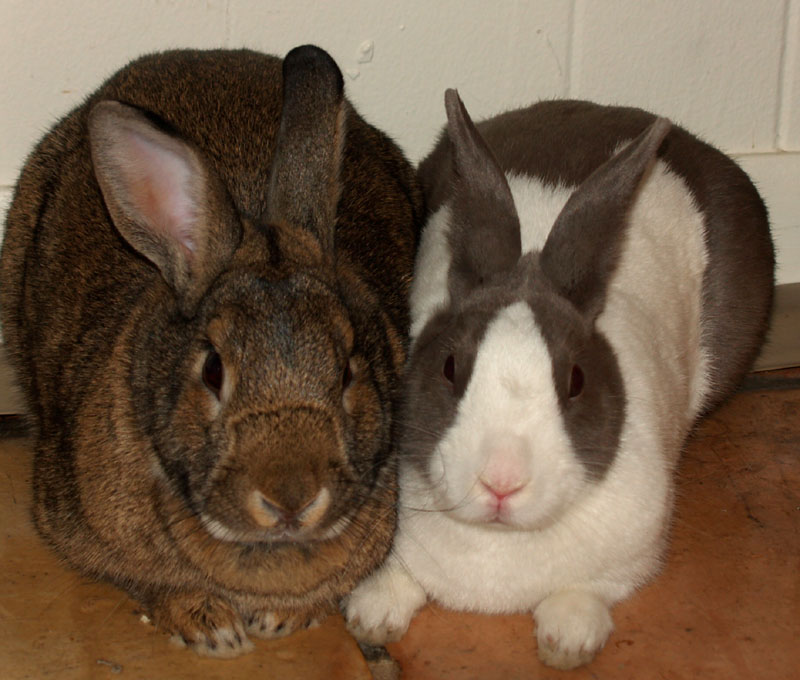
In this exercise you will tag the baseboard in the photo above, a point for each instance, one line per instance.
(782, 349)
(10, 401)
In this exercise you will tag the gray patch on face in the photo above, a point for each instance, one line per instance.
(430, 400)
(593, 420)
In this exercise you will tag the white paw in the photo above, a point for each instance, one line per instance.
(571, 627)
(380, 609)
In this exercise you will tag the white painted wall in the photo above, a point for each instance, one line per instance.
(729, 70)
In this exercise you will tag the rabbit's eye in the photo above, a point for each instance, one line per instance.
(347, 376)
(213, 373)
(575, 381)
(449, 369)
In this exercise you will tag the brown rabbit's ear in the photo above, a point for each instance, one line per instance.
(485, 233)
(304, 185)
(163, 200)
(584, 245)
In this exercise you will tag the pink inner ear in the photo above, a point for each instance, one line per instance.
(159, 187)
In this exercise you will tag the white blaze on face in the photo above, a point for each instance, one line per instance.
(507, 457)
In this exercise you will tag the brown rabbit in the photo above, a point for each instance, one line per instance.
(204, 283)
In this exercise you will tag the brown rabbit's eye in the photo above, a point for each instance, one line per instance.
(213, 373)
(575, 381)
(347, 376)
(449, 369)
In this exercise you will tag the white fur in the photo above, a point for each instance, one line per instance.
(429, 288)
(561, 547)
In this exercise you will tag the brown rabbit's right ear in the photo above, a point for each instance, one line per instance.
(304, 185)
(162, 199)
(485, 233)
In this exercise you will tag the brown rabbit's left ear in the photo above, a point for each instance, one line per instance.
(485, 235)
(584, 245)
(304, 185)
(163, 199)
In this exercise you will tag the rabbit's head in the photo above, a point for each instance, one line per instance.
(249, 370)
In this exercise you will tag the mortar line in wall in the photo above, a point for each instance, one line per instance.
(788, 62)
(773, 153)
(514, 45)
(565, 90)
(227, 23)
(575, 27)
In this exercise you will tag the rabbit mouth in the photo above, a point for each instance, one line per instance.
(280, 534)
(500, 519)
(285, 534)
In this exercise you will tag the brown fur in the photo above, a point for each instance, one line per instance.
(109, 343)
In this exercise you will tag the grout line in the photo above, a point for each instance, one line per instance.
(779, 86)
(576, 15)
(227, 24)
(567, 87)
(788, 64)
(765, 154)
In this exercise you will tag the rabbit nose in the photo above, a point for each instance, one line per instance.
(271, 514)
(501, 491)
(507, 469)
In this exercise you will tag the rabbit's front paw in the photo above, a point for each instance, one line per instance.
(205, 623)
(380, 609)
(571, 627)
(271, 623)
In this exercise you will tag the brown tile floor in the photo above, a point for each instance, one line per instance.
(726, 607)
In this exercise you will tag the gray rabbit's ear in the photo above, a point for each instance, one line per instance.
(484, 234)
(304, 184)
(585, 243)
(162, 199)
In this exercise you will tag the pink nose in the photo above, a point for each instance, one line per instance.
(502, 491)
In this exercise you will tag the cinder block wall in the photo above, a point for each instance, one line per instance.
(729, 70)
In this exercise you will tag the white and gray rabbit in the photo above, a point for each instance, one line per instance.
(580, 299)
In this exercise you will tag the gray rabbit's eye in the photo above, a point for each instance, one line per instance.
(576, 380)
(213, 373)
(449, 369)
